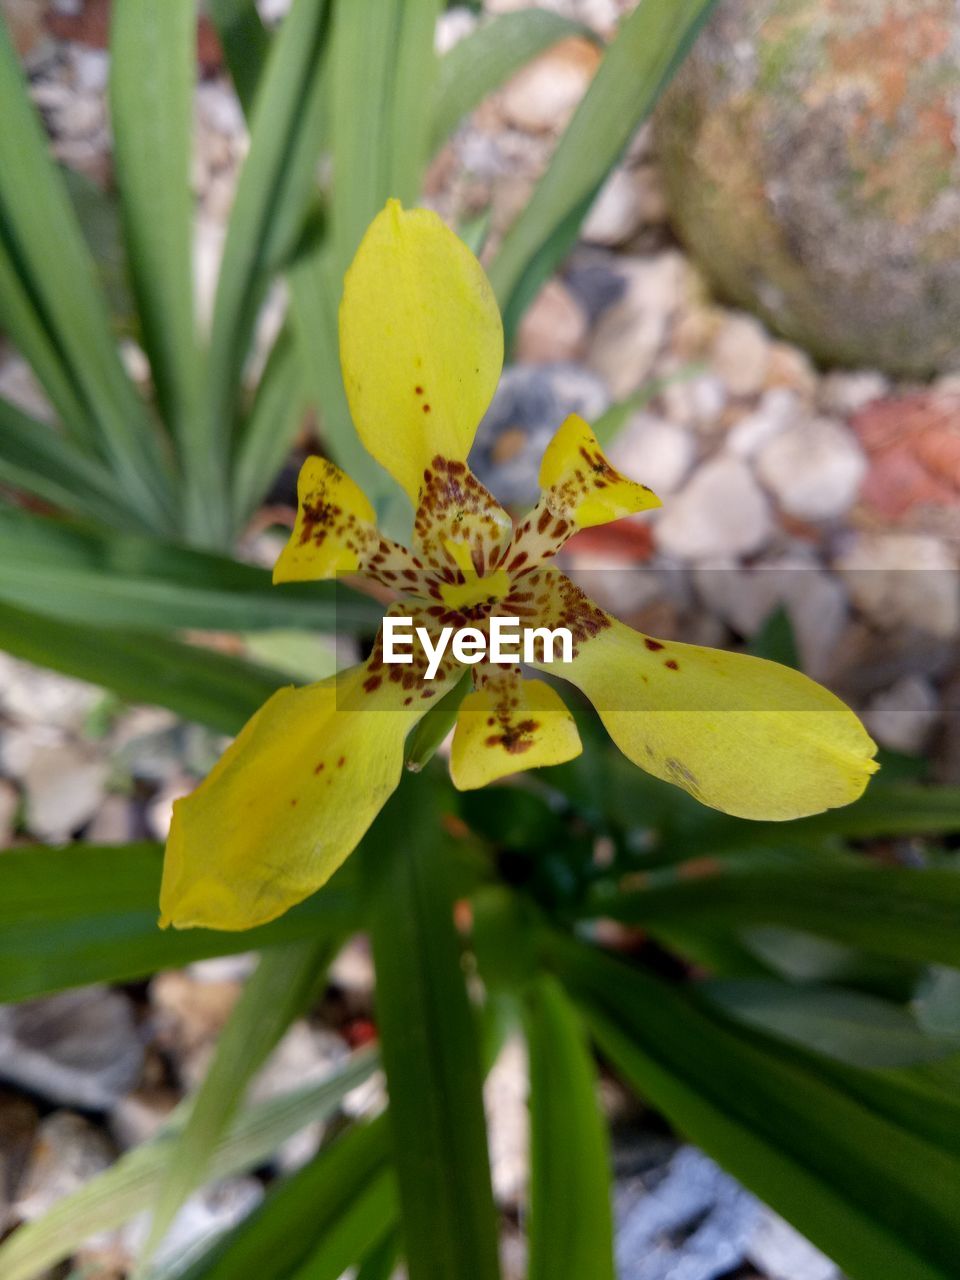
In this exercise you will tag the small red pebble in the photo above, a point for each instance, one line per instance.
(359, 1032)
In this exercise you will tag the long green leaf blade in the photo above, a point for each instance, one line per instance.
(892, 911)
(272, 198)
(347, 1239)
(113, 579)
(49, 254)
(88, 913)
(878, 1199)
(430, 1045)
(647, 49)
(197, 684)
(571, 1232)
(380, 136)
(25, 326)
(152, 71)
(36, 458)
(118, 1194)
(269, 429)
(280, 1236)
(849, 1026)
(246, 44)
(281, 988)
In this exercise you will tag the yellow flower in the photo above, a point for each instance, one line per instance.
(421, 348)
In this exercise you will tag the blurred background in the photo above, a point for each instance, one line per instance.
(763, 311)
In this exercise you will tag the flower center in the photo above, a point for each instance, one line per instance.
(475, 590)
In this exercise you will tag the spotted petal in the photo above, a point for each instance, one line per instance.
(741, 734)
(287, 803)
(335, 532)
(580, 489)
(581, 486)
(507, 725)
(421, 343)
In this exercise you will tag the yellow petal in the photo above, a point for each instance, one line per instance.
(509, 725)
(335, 532)
(581, 486)
(459, 525)
(741, 734)
(421, 343)
(287, 803)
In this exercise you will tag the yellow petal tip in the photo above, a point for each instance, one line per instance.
(511, 726)
(581, 485)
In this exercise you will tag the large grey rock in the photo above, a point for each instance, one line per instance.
(64, 785)
(530, 404)
(903, 716)
(812, 167)
(68, 1152)
(654, 451)
(722, 511)
(815, 601)
(632, 332)
(814, 469)
(79, 1048)
(904, 581)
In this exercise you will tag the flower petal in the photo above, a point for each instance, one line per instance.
(507, 725)
(580, 484)
(335, 532)
(459, 528)
(421, 343)
(580, 489)
(741, 734)
(286, 804)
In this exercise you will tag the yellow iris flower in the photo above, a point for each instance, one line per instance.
(421, 347)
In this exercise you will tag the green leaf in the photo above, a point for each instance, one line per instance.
(858, 1029)
(152, 71)
(345, 1189)
(803, 957)
(383, 74)
(36, 458)
(891, 809)
(269, 429)
(424, 741)
(360, 1224)
(776, 640)
(283, 986)
(880, 1200)
(273, 194)
(316, 284)
(570, 1231)
(429, 1043)
(88, 913)
(26, 327)
(128, 1187)
(98, 213)
(923, 1099)
(86, 575)
(639, 63)
(246, 44)
(140, 666)
(383, 78)
(49, 257)
(891, 911)
(315, 280)
(486, 58)
(380, 1263)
